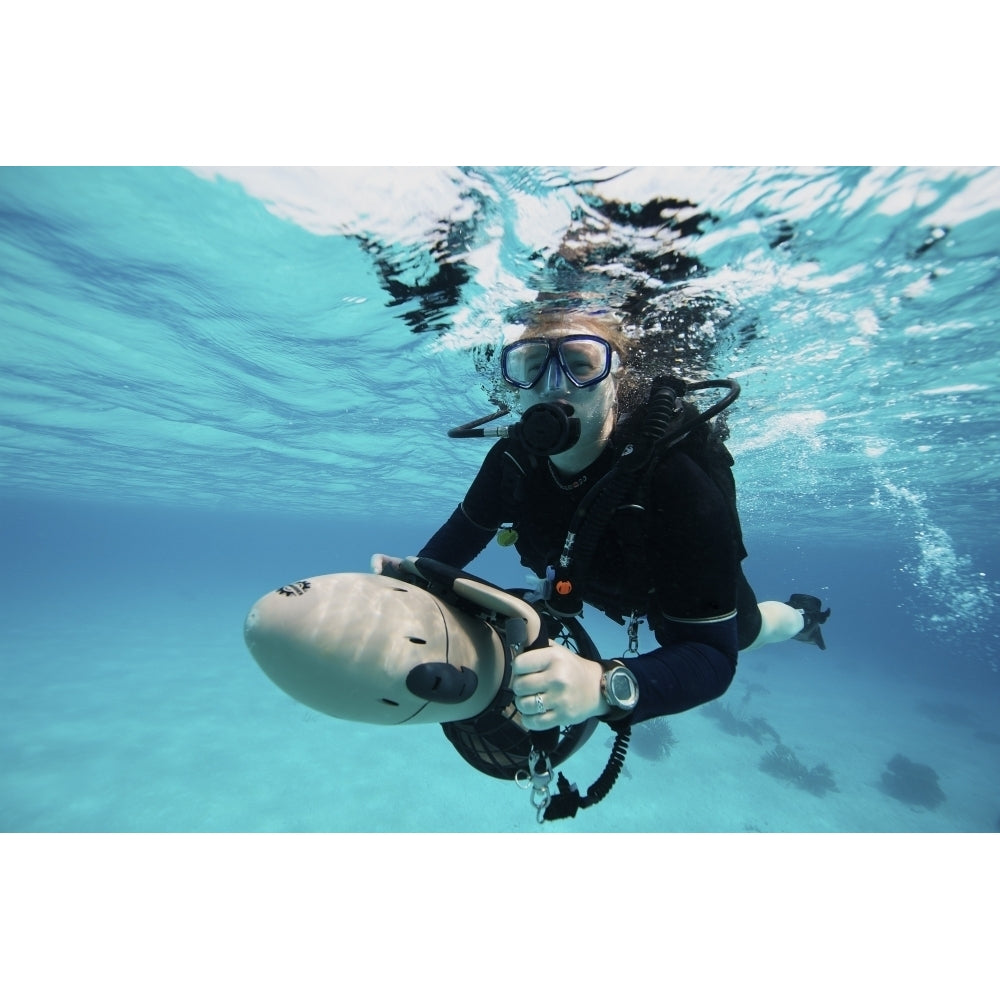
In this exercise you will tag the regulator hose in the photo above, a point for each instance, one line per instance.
(567, 801)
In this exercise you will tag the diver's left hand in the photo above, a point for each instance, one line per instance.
(569, 687)
(386, 565)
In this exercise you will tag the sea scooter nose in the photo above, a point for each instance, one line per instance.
(375, 649)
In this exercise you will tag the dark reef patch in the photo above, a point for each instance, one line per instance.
(781, 762)
(912, 783)
(755, 727)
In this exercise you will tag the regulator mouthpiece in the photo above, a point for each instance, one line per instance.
(548, 428)
(545, 429)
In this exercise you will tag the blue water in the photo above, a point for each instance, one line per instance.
(214, 382)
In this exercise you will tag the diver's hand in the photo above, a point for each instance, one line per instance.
(568, 684)
(386, 565)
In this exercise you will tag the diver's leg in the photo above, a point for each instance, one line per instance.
(764, 622)
(778, 623)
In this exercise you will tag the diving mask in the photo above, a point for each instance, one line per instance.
(583, 358)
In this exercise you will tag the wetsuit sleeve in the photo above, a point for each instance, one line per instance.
(695, 550)
(693, 665)
(457, 542)
(475, 520)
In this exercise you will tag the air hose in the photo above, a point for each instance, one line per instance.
(567, 801)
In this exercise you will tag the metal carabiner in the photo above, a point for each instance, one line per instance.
(633, 634)
(537, 778)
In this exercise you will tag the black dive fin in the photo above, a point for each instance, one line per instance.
(810, 607)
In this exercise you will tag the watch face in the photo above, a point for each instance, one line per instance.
(620, 685)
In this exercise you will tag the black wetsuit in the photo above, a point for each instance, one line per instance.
(677, 561)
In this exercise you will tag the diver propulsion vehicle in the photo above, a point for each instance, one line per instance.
(427, 644)
(386, 650)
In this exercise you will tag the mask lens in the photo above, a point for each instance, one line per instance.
(585, 360)
(524, 362)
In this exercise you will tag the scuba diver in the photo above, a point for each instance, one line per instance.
(630, 511)
(663, 544)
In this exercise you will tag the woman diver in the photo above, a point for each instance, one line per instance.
(667, 550)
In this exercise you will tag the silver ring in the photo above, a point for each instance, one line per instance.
(538, 704)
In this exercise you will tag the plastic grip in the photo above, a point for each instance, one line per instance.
(441, 682)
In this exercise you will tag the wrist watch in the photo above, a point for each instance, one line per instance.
(619, 689)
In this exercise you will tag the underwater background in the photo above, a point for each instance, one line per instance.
(214, 381)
